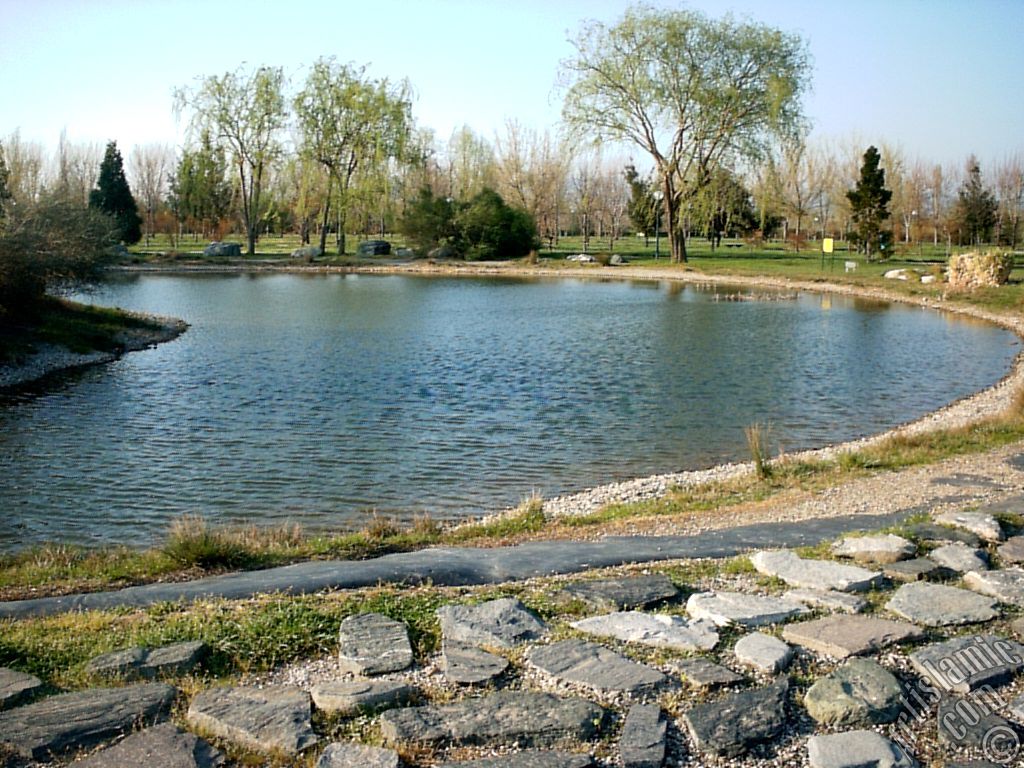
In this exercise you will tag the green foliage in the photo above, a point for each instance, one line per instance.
(52, 246)
(691, 91)
(429, 222)
(113, 196)
(5, 190)
(199, 190)
(642, 207)
(869, 203)
(489, 229)
(976, 207)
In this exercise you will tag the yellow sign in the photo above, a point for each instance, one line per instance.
(826, 245)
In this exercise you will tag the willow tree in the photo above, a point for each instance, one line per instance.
(243, 111)
(694, 93)
(349, 122)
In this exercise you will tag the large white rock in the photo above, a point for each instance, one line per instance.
(883, 548)
(814, 574)
(735, 608)
(654, 629)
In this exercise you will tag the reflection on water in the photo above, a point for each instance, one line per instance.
(319, 398)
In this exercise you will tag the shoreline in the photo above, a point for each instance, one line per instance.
(967, 410)
(53, 359)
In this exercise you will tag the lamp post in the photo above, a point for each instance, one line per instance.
(657, 223)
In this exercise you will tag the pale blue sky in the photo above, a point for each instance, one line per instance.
(939, 78)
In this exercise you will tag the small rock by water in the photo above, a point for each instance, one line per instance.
(814, 574)
(880, 549)
(502, 623)
(622, 594)
(264, 719)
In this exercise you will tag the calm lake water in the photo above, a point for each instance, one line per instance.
(318, 398)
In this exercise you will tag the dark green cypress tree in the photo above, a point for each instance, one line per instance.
(977, 207)
(869, 202)
(114, 197)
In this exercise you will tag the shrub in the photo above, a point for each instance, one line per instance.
(191, 542)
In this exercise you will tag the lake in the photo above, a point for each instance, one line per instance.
(319, 399)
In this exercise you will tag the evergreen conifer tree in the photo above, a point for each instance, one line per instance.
(113, 196)
(976, 207)
(5, 189)
(869, 202)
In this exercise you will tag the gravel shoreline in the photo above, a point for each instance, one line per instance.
(50, 359)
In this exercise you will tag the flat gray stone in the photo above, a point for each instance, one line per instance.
(162, 746)
(1017, 627)
(730, 726)
(829, 599)
(969, 723)
(503, 623)
(814, 574)
(16, 686)
(960, 558)
(264, 719)
(530, 759)
(1006, 586)
(593, 666)
(881, 549)
(860, 693)
(73, 721)
(1012, 551)
(931, 533)
(726, 609)
(622, 594)
(528, 719)
(643, 740)
(147, 664)
(372, 644)
(704, 674)
(345, 697)
(352, 755)
(918, 569)
(856, 749)
(843, 636)
(964, 664)
(654, 629)
(979, 523)
(1016, 707)
(936, 605)
(469, 665)
(764, 652)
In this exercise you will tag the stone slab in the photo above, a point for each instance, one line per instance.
(644, 737)
(814, 574)
(969, 723)
(726, 609)
(829, 599)
(622, 594)
(503, 623)
(352, 755)
(469, 665)
(763, 652)
(1006, 586)
(16, 687)
(1012, 551)
(704, 674)
(880, 549)
(274, 718)
(348, 697)
(932, 533)
(593, 666)
(937, 605)
(654, 629)
(730, 726)
(530, 759)
(965, 664)
(525, 718)
(73, 721)
(979, 523)
(918, 569)
(856, 749)
(147, 664)
(860, 693)
(373, 644)
(843, 636)
(162, 746)
(959, 557)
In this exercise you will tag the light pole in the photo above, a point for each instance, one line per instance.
(657, 223)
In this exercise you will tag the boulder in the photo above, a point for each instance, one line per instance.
(223, 250)
(918, 569)
(307, 253)
(977, 270)
(860, 693)
(502, 623)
